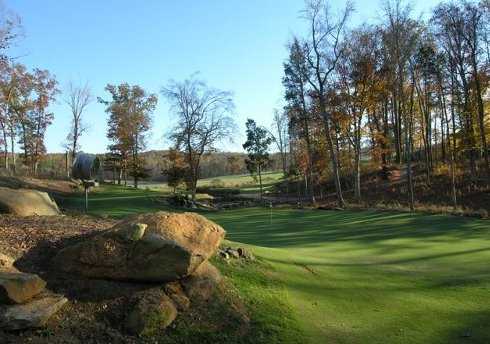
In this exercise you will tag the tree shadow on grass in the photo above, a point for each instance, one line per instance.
(299, 228)
(416, 259)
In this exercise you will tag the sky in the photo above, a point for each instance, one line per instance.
(234, 45)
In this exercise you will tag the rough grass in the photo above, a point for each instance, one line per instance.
(272, 317)
(357, 276)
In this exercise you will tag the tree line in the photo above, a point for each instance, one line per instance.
(203, 118)
(404, 91)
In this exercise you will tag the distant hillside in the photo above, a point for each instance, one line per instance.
(215, 164)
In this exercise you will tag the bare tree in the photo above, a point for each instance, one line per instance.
(473, 33)
(280, 136)
(203, 120)
(298, 108)
(322, 51)
(77, 98)
(357, 81)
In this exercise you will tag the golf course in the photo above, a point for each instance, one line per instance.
(245, 172)
(350, 276)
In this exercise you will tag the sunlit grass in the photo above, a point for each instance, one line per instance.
(245, 182)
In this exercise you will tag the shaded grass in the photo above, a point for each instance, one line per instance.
(359, 276)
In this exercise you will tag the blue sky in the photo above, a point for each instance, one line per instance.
(236, 45)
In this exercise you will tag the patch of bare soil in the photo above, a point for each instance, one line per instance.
(96, 309)
(46, 185)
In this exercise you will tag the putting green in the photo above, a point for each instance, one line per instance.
(375, 277)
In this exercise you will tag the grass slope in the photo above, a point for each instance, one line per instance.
(360, 277)
(244, 182)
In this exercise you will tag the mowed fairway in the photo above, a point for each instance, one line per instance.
(376, 277)
(358, 276)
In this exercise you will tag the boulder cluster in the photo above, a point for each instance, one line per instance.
(235, 253)
(170, 250)
(24, 301)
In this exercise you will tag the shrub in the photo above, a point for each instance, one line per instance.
(483, 213)
(222, 192)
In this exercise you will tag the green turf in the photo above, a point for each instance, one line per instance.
(114, 201)
(244, 182)
(369, 277)
(362, 277)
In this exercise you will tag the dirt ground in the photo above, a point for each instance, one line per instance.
(47, 185)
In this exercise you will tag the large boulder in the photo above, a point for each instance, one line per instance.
(26, 202)
(30, 315)
(157, 247)
(18, 287)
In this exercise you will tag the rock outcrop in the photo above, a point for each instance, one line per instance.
(19, 287)
(30, 315)
(26, 202)
(157, 247)
(24, 302)
(239, 253)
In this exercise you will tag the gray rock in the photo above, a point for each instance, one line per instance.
(224, 255)
(245, 254)
(233, 253)
(30, 315)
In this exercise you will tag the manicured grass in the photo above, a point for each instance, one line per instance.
(244, 182)
(114, 201)
(373, 277)
(362, 277)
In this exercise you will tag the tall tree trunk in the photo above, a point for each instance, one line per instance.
(5, 147)
(310, 162)
(334, 158)
(67, 164)
(357, 173)
(408, 147)
(136, 166)
(481, 116)
(357, 160)
(12, 149)
(260, 181)
(75, 141)
(451, 155)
